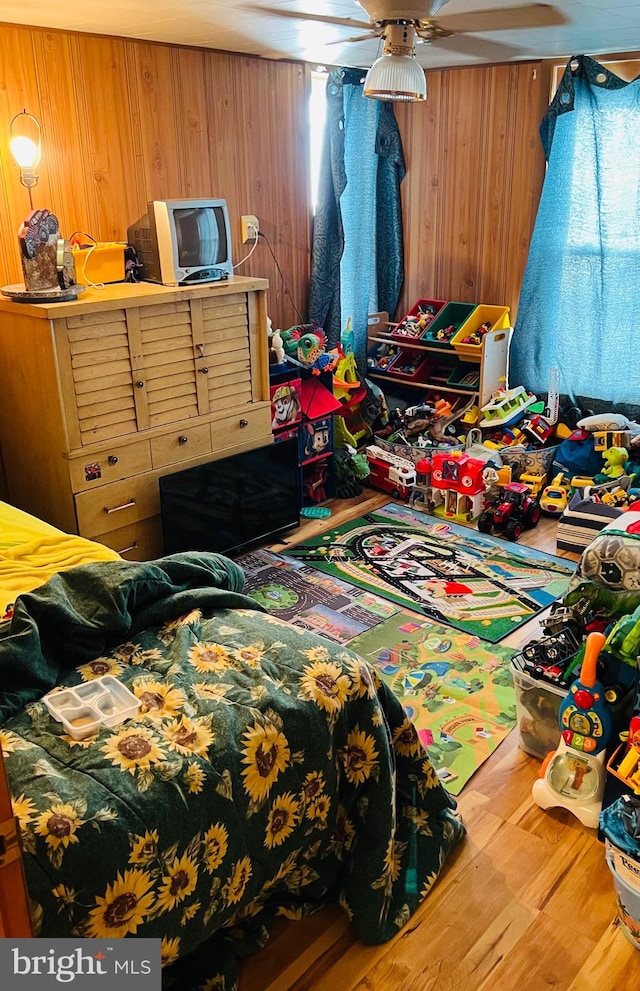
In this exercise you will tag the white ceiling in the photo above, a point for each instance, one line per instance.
(592, 27)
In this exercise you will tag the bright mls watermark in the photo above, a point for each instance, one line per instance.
(81, 964)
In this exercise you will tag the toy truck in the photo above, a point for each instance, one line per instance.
(514, 511)
(390, 472)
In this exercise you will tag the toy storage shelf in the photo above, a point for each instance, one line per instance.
(492, 356)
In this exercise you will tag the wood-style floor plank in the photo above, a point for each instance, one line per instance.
(525, 901)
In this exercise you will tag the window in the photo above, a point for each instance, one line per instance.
(317, 115)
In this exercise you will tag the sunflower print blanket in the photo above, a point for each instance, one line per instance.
(267, 772)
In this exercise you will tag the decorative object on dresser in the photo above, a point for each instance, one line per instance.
(47, 264)
(105, 394)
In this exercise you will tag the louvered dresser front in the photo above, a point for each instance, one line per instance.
(103, 395)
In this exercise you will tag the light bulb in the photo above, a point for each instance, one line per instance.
(26, 148)
(25, 151)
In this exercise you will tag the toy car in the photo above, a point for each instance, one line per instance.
(548, 657)
(555, 497)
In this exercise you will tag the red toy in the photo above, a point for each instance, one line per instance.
(515, 510)
(457, 471)
(390, 472)
(537, 429)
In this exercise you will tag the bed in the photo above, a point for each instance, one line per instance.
(267, 770)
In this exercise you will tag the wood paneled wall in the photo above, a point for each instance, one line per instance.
(475, 168)
(126, 121)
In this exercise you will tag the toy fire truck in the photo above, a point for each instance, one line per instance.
(390, 472)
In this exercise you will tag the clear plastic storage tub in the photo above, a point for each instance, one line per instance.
(537, 707)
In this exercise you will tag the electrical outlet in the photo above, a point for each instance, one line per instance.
(249, 228)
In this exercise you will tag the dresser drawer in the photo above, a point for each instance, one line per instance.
(118, 461)
(113, 506)
(141, 541)
(181, 445)
(242, 429)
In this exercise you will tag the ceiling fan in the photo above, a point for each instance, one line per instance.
(451, 31)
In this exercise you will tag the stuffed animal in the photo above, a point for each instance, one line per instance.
(306, 346)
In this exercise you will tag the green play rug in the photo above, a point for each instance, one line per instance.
(457, 689)
(451, 574)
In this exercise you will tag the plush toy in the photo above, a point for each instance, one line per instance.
(306, 345)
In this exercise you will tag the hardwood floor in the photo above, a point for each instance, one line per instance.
(526, 901)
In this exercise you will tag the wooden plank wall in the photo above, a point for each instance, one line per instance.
(475, 169)
(127, 121)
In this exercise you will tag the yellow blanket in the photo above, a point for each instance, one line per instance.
(32, 551)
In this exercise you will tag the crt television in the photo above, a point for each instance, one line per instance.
(183, 242)
(228, 505)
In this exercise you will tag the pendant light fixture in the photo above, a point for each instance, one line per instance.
(397, 75)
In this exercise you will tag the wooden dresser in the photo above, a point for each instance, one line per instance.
(101, 396)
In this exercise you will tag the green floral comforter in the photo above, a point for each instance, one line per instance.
(268, 770)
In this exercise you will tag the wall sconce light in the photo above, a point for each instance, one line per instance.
(397, 75)
(26, 148)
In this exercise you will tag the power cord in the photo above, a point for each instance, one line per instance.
(282, 278)
(256, 235)
(91, 248)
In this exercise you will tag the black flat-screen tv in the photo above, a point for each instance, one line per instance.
(231, 504)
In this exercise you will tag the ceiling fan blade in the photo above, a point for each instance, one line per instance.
(358, 37)
(490, 51)
(298, 15)
(532, 15)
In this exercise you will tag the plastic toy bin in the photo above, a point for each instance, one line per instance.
(410, 329)
(451, 315)
(496, 316)
(415, 366)
(465, 375)
(380, 356)
(537, 707)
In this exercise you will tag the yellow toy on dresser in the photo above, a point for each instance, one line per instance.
(97, 262)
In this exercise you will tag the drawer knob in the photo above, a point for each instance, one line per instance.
(113, 459)
(140, 384)
(243, 424)
(117, 509)
(204, 371)
(183, 440)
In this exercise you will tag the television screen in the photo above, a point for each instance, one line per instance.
(228, 505)
(200, 236)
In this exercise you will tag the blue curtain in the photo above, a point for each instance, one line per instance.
(579, 307)
(357, 248)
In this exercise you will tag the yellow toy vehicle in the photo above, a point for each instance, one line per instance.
(470, 416)
(616, 497)
(535, 483)
(555, 497)
(581, 482)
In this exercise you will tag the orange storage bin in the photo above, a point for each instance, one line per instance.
(496, 316)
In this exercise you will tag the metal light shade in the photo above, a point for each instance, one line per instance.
(396, 77)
